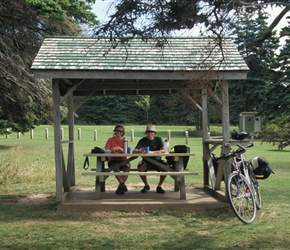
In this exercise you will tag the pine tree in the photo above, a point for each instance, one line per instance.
(247, 95)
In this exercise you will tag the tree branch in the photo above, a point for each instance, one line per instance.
(268, 32)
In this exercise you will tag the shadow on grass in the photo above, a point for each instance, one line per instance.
(278, 151)
(10, 198)
(12, 209)
(5, 147)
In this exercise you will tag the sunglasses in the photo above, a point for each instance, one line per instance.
(119, 131)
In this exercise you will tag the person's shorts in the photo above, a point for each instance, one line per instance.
(113, 162)
(151, 166)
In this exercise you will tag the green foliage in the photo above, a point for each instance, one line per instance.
(47, 8)
(144, 103)
(165, 109)
(24, 100)
(78, 10)
(278, 130)
(104, 110)
(249, 95)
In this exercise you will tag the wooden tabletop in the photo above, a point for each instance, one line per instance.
(140, 154)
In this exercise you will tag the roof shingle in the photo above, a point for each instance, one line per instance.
(178, 54)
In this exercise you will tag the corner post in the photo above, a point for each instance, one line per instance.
(57, 140)
(225, 125)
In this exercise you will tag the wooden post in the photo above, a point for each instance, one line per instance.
(31, 134)
(79, 133)
(132, 134)
(226, 132)
(71, 156)
(57, 140)
(168, 135)
(46, 133)
(61, 133)
(186, 137)
(208, 173)
(95, 135)
(18, 135)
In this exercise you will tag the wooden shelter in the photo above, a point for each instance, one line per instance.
(86, 66)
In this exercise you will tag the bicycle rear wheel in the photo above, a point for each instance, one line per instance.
(256, 187)
(241, 197)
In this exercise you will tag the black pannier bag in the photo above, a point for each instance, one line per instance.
(95, 150)
(261, 167)
(179, 149)
(215, 162)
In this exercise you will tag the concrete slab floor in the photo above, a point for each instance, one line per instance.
(134, 200)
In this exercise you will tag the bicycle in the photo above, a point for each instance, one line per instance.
(242, 187)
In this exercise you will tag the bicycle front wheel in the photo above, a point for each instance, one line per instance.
(241, 197)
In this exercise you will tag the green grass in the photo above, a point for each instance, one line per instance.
(29, 219)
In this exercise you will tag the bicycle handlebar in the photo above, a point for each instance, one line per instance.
(234, 153)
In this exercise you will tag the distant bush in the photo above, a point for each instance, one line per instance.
(275, 133)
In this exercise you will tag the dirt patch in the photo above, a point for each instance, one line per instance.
(37, 199)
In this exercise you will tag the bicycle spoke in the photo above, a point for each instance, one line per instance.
(241, 198)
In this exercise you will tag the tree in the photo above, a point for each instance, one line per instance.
(277, 98)
(106, 110)
(144, 103)
(249, 94)
(24, 100)
(155, 18)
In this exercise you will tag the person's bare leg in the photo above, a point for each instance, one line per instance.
(142, 168)
(159, 189)
(126, 168)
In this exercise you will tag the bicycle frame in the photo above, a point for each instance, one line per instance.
(241, 166)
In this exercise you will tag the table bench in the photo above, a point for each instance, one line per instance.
(177, 173)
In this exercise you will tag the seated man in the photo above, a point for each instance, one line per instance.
(156, 145)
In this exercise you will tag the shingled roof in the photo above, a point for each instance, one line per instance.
(101, 63)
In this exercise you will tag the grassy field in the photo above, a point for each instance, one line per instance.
(29, 219)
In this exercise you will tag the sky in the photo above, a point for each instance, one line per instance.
(101, 8)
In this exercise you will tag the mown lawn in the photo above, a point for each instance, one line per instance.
(29, 219)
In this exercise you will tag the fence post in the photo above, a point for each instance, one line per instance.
(132, 134)
(186, 137)
(31, 134)
(61, 133)
(7, 135)
(95, 135)
(168, 135)
(46, 133)
(18, 135)
(79, 133)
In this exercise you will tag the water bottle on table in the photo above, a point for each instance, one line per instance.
(125, 145)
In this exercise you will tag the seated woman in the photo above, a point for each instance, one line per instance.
(116, 145)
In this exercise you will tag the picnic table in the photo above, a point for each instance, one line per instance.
(176, 171)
